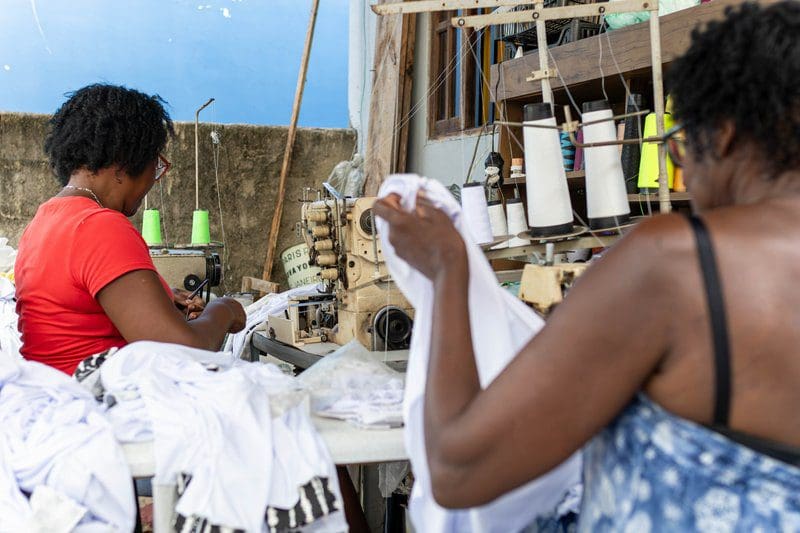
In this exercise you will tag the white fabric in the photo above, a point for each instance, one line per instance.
(258, 313)
(8, 255)
(53, 512)
(242, 431)
(10, 341)
(53, 434)
(501, 326)
(350, 385)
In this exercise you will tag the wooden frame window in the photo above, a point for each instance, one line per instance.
(444, 108)
(459, 95)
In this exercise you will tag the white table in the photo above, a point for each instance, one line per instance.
(347, 444)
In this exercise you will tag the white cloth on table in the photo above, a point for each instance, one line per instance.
(53, 435)
(10, 341)
(350, 385)
(501, 327)
(240, 430)
(258, 313)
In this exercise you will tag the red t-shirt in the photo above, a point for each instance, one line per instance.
(71, 250)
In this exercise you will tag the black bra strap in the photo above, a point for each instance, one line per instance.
(719, 323)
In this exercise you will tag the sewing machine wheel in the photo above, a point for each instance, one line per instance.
(393, 328)
(214, 269)
(191, 282)
(366, 222)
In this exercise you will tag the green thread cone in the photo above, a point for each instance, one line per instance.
(201, 234)
(151, 227)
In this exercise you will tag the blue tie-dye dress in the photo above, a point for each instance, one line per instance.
(652, 471)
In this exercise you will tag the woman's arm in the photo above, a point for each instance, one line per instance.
(597, 350)
(140, 309)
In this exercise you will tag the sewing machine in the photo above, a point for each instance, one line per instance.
(544, 287)
(358, 300)
(187, 267)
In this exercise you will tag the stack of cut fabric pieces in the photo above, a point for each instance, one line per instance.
(236, 437)
(350, 385)
(61, 469)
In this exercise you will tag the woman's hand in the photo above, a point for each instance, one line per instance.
(190, 307)
(425, 238)
(238, 314)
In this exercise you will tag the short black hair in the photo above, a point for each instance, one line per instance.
(745, 69)
(103, 125)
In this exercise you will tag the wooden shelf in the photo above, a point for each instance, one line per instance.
(574, 175)
(578, 61)
(581, 243)
(653, 198)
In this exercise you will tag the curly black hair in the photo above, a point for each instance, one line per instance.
(103, 125)
(744, 69)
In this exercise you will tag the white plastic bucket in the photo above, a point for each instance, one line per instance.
(295, 264)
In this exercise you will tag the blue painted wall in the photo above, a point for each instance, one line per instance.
(245, 53)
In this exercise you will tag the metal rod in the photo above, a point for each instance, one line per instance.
(197, 154)
(564, 128)
(523, 125)
(658, 95)
(574, 140)
(375, 243)
(617, 117)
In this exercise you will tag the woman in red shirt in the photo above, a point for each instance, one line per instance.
(85, 280)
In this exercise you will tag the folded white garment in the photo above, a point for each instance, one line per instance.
(53, 435)
(258, 313)
(350, 385)
(221, 421)
(501, 327)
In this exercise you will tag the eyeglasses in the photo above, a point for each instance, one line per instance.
(162, 166)
(675, 140)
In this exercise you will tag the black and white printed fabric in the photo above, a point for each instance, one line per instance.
(86, 373)
(61, 469)
(242, 425)
(316, 502)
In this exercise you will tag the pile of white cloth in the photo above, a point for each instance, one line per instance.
(10, 341)
(351, 385)
(8, 256)
(259, 312)
(501, 326)
(241, 431)
(56, 446)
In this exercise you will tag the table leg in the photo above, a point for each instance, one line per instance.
(165, 497)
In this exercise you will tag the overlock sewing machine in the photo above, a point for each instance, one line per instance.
(357, 298)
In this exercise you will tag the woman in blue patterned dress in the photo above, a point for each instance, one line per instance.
(675, 360)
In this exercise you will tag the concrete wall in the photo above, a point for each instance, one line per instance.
(249, 165)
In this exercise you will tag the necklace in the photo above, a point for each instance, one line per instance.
(84, 189)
